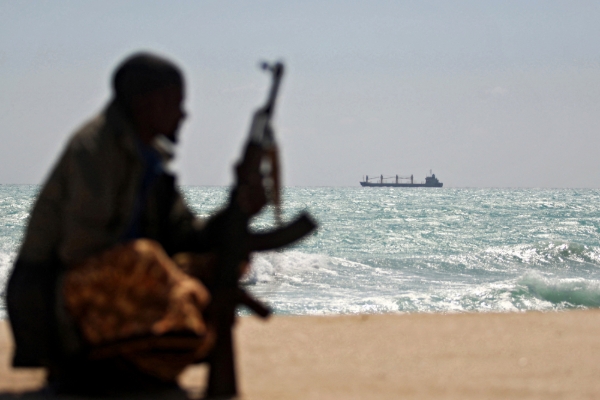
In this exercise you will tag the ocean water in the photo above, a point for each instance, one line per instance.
(381, 250)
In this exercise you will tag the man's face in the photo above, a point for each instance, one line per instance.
(167, 111)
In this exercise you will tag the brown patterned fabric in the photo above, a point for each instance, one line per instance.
(133, 301)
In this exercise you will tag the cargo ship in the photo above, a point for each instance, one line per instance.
(401, 181)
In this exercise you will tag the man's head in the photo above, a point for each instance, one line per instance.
(150, 89)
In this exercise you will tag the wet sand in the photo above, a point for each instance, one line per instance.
(413, 356)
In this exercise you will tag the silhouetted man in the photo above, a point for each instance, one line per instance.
(96, 266)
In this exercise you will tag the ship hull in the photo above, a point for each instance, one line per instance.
(411, 185)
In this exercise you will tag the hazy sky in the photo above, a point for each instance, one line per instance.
(485, 93)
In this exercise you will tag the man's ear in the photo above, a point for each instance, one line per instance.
(146, 106)
(156, 101)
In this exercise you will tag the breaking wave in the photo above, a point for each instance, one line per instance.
(323, 284)
(549, 253)
(562, 292)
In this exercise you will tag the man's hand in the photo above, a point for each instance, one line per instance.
(251, 198)
(250, 195)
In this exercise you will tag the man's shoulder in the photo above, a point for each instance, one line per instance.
(104, 131)
(88, 135)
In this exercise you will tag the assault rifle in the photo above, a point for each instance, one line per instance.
(235, 242)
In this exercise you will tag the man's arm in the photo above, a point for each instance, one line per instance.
(178, 229)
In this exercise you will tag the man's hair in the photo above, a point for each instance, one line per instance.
(143, 73)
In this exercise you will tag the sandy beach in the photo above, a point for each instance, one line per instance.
(529, 355)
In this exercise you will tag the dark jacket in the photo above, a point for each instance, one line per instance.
(86, 206)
